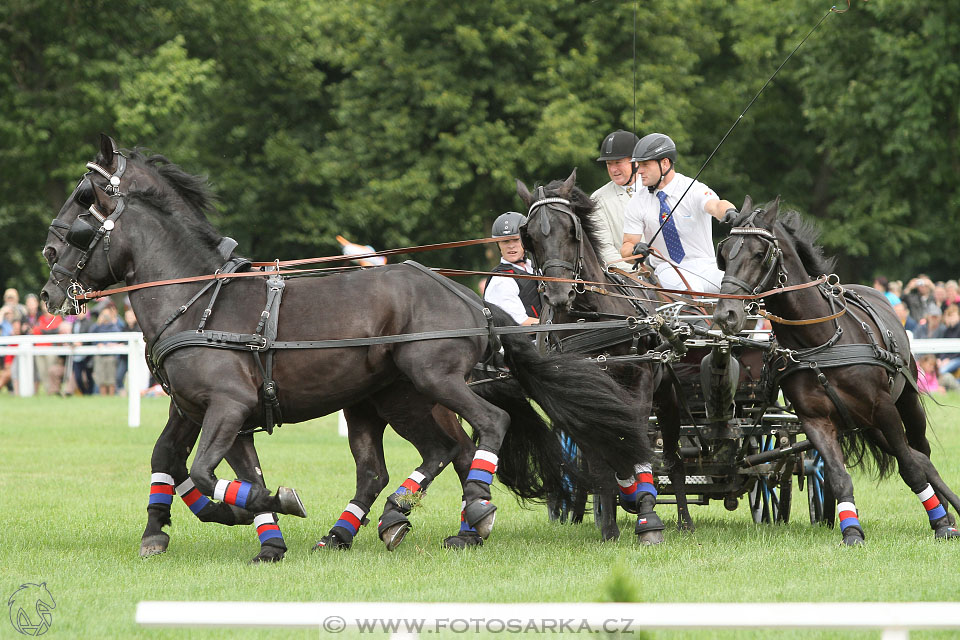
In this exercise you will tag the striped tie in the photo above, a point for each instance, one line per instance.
(670, 235)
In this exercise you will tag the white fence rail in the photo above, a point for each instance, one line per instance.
(410, 619)
(24, 348)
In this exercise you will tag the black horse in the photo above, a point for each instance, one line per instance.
(136, 221)
(843, 360)
(560, 234)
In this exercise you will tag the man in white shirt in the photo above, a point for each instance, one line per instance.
(686, 239)
(519, 297)
(616, 151)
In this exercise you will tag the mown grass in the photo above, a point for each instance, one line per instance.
(73, 488)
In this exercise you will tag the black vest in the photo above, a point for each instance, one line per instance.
(529, 295)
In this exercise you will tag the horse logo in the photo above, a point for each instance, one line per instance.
(30, 607)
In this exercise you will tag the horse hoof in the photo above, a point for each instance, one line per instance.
(943, 533)
(481, 514)
(154, 544)
(290, 503)
(393, 536)
(462, 541)
(650, 537)
(852, 541)
(268, 554)
(610, 535)
(331, 541)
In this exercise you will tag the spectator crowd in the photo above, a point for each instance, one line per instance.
(58, 374)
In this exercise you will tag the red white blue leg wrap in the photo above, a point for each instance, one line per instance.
(235, 492)
(352, 518)
(847, 515)
(931, 503)
(483, 467)
(412, 484)
(161, 489)
(640, 482)
(191, 496)
(267, 528)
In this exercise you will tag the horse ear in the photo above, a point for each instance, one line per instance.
(107, 153)
(104, 203)
(770, 211)
(747, 204)
(569, 183)
(524, 193)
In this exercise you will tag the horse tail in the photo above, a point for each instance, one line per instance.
(532, 463)
(579, 398)
(860, 449)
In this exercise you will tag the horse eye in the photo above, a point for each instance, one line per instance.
(50, 254)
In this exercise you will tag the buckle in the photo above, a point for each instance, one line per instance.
(258, 346)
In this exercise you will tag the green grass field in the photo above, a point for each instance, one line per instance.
(73, 492)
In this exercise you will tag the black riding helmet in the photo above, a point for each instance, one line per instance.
(507, 224)
(617, 145)
(655, 146)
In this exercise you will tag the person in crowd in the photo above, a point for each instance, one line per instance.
(129, 323)
(684, 246)
(951, 294)
(10, 325)
(12, 297)
(940, 294)
(881, 284)
(517, 296)
(105, 366)
(903, 314)
(918, 296)
(616, 151)
(930, 326)
(927, 377)
(950, 362)
(83, 365)
(47, 324)
(32, 305)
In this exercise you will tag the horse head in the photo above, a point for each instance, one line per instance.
(86, 227)
(119, 209)
(751, 259)
(554, 236)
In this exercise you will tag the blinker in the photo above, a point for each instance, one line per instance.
(80, 234)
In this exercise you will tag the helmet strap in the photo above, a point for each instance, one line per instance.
(656, 186)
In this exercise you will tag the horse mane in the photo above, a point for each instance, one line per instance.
(179, 191)
(583, 207)
(804, 235)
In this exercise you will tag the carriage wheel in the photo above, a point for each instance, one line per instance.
(771, 504)
(822, 504)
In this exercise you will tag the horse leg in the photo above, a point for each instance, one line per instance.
(412, 417)
(915, 426)
(467, 536)
(916, 470)
(245, 462)
(668, 417)
(491, 423)
(217, 436)
(168, 466)
(822, 432)
(365, 433)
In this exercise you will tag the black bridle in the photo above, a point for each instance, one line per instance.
(81, 234)
(771, 264)
(559, 205)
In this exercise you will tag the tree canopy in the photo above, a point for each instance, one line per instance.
(407, 123)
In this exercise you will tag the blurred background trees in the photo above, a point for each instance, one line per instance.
(402, 123)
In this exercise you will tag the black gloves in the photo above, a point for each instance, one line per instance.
(641, 249)
(729, 216)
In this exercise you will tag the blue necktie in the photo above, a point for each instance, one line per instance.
(670, 236)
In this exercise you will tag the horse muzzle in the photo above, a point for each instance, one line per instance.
(730, 316)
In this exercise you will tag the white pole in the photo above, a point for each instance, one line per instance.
(341, 424)
(137, 380)
(25, 370)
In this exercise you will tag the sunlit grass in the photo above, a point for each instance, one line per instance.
(73, 490)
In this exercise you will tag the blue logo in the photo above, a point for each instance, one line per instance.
(30, 608)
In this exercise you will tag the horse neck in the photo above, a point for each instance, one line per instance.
(801, 304)
(593, 271)
(165, 250)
